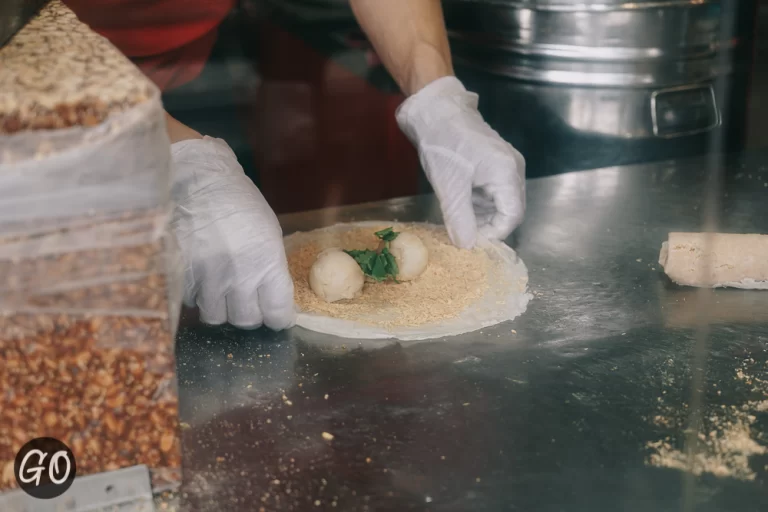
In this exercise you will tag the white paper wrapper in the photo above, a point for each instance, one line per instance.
(505, 299)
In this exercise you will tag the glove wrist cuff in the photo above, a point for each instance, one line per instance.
(434, 104)
(206, 144)
(198, 163)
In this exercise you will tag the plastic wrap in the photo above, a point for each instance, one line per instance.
(90, 289)
(120, 165)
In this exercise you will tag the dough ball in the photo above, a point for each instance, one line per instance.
(335, 275)
(410, 254)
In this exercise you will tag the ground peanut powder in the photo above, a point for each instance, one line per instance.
(454, 279)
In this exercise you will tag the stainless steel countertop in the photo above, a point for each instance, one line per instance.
(554, 411)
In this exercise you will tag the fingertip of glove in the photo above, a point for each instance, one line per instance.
(276, 297)
(246, 327)
(463, 240)
(492, 232)
(281, 321)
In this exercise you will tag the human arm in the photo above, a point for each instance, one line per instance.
(178, 131)
(409, 37)
(478, 177)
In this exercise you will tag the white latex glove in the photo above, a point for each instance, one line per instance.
(235, 265)
(478, 177)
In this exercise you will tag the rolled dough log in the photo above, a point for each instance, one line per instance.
(716, 260)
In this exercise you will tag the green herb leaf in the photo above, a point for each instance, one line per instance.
(391, 262)
(379, 270)
(378, 265)
(386, 234)
(364, 258)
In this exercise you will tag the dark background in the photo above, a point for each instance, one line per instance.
(310, 113)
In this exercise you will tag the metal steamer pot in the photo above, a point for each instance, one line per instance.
(606, 81)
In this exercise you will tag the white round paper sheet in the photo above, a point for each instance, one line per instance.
(505, 298)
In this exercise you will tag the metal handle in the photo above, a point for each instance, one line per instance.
(684, 110)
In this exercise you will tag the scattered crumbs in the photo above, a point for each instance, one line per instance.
(367, 460)
(317, 503)
(230, 356)
(442, 457)
(327, 436)
(725, 452)
(184, 425)
(219, 459)
(326, 396)
(513, 331)
(249, 386)
(465, 404)
(639, 260)
(725, 443)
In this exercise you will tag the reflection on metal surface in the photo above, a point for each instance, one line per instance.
(591, 5)
(527, 415)
(680, 307)
(623, 33)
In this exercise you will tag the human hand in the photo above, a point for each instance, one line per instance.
(478, 177)
(235, 266)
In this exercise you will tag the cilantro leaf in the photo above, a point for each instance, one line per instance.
(387, 234)
(378, 265)
(379, 271)
(364, 258)
(391, 263)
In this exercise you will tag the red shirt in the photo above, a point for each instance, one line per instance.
(170, 40)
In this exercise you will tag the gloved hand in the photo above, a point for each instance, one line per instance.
(235, 265)
(478, 178)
